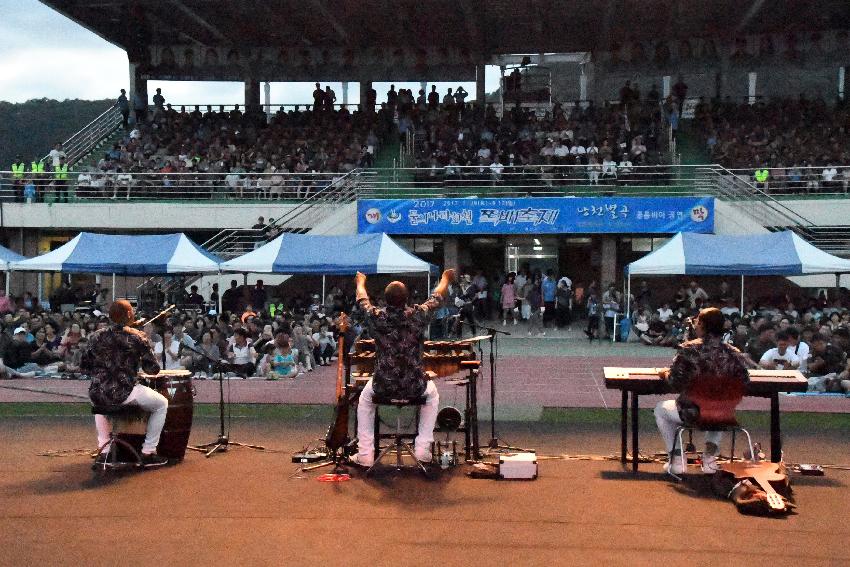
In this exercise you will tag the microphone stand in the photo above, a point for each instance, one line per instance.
(223, 441)
(493, 444)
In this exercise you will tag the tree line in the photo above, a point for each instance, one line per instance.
(31, 128)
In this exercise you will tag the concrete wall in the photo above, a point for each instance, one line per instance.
(148, 217)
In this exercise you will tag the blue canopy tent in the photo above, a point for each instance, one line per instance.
(771, 254)
(128, 255)
(6, 258)
(330, 255)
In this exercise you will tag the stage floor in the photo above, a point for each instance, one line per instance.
(246, 507)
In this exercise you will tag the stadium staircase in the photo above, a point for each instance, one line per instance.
(747, 201)
(100, 133)
(327, 211)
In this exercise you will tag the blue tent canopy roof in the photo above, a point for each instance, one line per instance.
(131, 255)
(8, 256)
(775, 253)
(329, 255)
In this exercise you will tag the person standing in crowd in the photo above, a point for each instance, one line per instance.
(158, 101)
(534, 298)
(60, 180)
(508, 300)
(18, 170)
(611, 301)
(592, 306)
(123, 106)
(696, 296)
(230, 299)
(548, 289)
(563, 300)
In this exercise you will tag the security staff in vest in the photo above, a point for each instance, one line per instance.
(18, 169)
(37, 171)
(60, 181)
(761, 176)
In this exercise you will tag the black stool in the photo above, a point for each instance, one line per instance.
(117, 414)
(399, 444)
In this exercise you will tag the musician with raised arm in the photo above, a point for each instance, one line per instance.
(112, 359)
(398, 332)
(703, 358)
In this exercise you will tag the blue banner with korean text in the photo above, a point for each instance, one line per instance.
(547, 215)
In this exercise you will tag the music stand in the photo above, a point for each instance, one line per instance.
(223, 441)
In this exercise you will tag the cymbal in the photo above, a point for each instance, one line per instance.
(476, 339)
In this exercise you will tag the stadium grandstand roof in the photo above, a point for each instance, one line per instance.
(482, 28)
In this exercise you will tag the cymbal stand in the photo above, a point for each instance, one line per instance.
(221, 444)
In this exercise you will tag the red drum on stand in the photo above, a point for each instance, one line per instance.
(176, 386)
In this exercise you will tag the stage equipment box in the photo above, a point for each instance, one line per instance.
(518, 466)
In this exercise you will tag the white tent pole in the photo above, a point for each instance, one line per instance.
(429, 284)
(629, 295)
(113, 286)
(8, 282)
(40, 280)
(742, 295)
(323, 289)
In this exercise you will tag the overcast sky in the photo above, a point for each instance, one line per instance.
(45, 55)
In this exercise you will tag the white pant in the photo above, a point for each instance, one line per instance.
(150, 401)
(668, 420)
(366, 424)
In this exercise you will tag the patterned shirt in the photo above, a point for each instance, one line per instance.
(701, 359)
(112, 359)
(398, 345)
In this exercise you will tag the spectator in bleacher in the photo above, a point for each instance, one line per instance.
(158, 101)
(140, 107)
(123, 106)
(56, 154)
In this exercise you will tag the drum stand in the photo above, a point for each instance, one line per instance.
(221, 444)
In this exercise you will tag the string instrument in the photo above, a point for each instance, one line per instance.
(143, 322)
(337, 435)
(765, 474)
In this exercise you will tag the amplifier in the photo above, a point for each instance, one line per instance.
(518, 466)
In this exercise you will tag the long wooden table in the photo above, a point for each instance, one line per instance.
(647, 381)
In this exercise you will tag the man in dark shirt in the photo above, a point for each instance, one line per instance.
(825, 364)
(397, 330)
(761, 344)
(195, 297)
(230, 299)
(18, 356)
(258, 296)
(20, 350)
(112, 359)
(703, 358)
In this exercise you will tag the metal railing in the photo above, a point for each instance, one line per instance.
(452, 181)
(498, 180)
(89, 136)
(89, 187)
